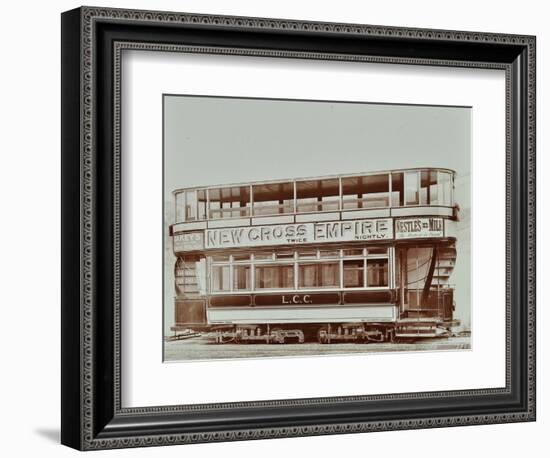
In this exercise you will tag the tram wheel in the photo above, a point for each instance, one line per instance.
(276, 336)
(322, 335)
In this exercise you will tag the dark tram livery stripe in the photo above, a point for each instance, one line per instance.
(244, 300)
(290, 298)
(297, 299)
(370, 297)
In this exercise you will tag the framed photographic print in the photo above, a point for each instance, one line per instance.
(277, 228)
(378, 257)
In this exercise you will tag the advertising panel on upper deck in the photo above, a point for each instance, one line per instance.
(413, 228)
(291, 234)
(365, 230)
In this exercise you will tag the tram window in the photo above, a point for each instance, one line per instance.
(445, 187)
(231, 202)
(354, 271)
(214, 204)
(366, 192)
(330, 274)
(397, 189)
(411, 188)
(220, 278)
(434, 188)
(273, 198)
(424, 187)
(428, 187)
(377, 250)
(263, 255)
(329, 253)
(318, 275)
(241, 257)
(285, 255)
(353, 252)
(180, 206)
(307, 254)
(220, 258)
(377, 272)
(201, 201)
(318, 195)
(241, 277)
(307, 276)
(273, 277)
(190, 205)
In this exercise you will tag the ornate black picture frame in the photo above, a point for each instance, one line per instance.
(92, 42)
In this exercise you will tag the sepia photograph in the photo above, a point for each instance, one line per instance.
(292, 225)
(313, 227)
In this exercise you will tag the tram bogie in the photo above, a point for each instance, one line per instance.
(351, 333)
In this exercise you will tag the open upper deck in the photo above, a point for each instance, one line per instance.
(422, 191)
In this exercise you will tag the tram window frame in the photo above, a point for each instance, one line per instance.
(318, 274)
(202, 204)
(359, 264)
(308, 255)
(179, 206)
(328, 253)
(406, 188)
(284, 205)
(280, 278)
(380, 251)
(411, 187)
(228, 201)
(247, 268)
(397, 189)
(353, 252)
(241, 257)
(324, 196)
(220, 258)
(221, 268)
(338, 257)
(445, 188)
(429, 188)
(263, 256)
(374, 260)
(357, 191)
(191, 204)
(285, 255)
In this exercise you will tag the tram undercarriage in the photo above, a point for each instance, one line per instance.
(403, 330)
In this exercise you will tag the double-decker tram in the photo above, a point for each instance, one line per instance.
(362, 258)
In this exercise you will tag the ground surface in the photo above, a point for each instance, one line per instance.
(204, 348)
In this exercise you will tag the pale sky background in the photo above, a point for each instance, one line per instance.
(217, 140)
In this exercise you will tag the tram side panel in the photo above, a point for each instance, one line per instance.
(303, 308)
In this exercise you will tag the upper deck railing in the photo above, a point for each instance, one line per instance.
(390, 189)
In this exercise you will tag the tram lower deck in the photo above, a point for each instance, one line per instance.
(359, 292)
